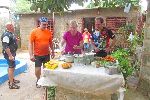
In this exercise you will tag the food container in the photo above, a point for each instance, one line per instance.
(69, 58)
(86, 61)
(79, 59)
(90, 56)
(96, 64)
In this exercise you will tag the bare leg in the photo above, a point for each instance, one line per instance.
(12, 85)
(11, 74)
(38, 72)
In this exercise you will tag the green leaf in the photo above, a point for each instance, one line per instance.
(34, 7)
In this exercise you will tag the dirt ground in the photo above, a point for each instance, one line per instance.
(28, 91)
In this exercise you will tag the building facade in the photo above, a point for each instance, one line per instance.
(84, 18)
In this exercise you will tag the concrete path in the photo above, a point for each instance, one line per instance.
(28, 91)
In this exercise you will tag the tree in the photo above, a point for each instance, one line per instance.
(53, 5)
(113, 3)
(62, 5)
(22, 6)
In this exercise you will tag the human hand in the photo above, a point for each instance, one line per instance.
(108, 49)
(32, 58)
(52, 55)
(63, 52)
(96, 49)
(75, 47)
(11, 58)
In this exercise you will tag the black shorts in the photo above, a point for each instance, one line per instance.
(11, 63)
(39, 60)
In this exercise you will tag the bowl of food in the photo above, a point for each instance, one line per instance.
(90, 56)
(78, 58)
(69, 58)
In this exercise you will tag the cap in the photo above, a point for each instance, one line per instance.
(43, 19)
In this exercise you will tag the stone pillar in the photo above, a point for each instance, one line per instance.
(145, 68)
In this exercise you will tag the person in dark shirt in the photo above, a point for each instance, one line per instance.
(9, 44)
(101, 38)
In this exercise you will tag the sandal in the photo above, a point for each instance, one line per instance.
(14, 81)
(37, 86)
(13, 86)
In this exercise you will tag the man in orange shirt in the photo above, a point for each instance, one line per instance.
(40, 44)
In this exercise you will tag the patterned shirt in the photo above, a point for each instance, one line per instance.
(101, 38)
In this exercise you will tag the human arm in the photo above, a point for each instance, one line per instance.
(31, 46)
(80, 42)
(80, 46)
(96, 49)
(111, 47)
(113, 42)
(51, 45)
(51, 49)
(5, 44)
(9, 54)
(63, 42)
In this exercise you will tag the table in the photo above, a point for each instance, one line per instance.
(83, 79)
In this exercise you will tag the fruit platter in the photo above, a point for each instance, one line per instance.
(109, 62)
(104, 61)
(53, 64)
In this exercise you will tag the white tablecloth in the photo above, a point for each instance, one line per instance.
(85, 79)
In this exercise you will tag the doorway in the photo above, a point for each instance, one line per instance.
(89, 23)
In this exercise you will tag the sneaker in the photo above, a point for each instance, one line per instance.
(37, 86)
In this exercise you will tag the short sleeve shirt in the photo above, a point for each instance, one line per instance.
(9, 41)
(42, 39)
(86, 37)
(101, 38)
(71, 41)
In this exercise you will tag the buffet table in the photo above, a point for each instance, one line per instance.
(83, 79)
